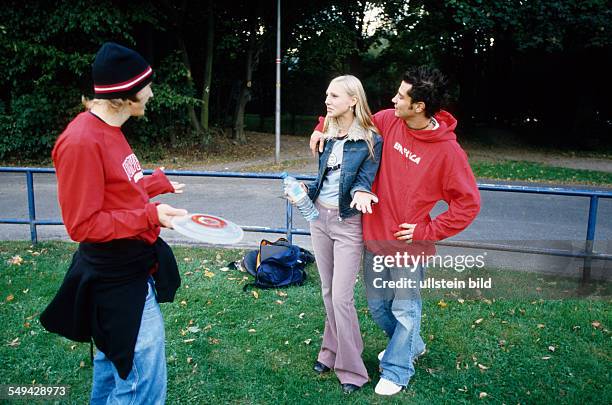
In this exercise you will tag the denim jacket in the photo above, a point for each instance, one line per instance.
(357, 171)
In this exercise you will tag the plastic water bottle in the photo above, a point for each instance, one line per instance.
(299, 198)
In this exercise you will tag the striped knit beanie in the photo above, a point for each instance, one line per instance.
(119, 72)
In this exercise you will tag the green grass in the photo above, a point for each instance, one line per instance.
(530, 171)
(224, 362)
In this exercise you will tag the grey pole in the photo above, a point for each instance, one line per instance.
(277, 118)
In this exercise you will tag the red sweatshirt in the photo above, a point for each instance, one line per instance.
(102, 192)
(418, 169)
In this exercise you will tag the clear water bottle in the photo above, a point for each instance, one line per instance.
(299, 198)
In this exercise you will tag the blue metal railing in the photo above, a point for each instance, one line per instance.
(588, 254)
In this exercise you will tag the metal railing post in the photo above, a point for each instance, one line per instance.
(31, 206)
(590, 238)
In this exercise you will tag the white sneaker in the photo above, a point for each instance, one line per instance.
(380, 355)
(386, 387)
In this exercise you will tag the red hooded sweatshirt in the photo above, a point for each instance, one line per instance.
(102, 192)
(418, 169)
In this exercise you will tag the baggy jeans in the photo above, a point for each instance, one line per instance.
(146, 383)
(397, 311)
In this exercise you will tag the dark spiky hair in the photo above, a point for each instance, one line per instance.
(429, 86)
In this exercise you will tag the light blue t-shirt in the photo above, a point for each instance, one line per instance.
(330, 190)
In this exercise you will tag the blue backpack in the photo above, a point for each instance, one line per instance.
(276, 264)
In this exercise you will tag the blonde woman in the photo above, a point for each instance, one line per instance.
(342, 193)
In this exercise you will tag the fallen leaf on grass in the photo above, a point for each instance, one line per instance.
(442, 304)
(281, 294)
(183, 302)
(252, 331)
(189, 360)
(255, 294)
(596, 324)
(540, 326)
(188, 340)
(546, 357)
(209, 274)
(482, 367)
(461, 300)
(551, 348)
(224, 269)
(307, 341)
(10, 298)
(188, 273)
(279, 302)
(213, 341)
(482, 395)
(15, 260)
(478, 321)
(301, 316)
(193, 329)
(14, 343)
(82, 364)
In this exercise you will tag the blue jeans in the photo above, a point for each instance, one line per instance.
(146, 383)
(397, 311)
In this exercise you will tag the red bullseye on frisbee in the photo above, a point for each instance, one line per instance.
(209, 221)
(208, 229)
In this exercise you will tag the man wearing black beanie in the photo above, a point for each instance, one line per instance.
(122, 269)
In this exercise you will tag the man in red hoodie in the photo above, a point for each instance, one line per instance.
(422, 163)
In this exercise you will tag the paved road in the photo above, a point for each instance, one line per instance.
(523, 219)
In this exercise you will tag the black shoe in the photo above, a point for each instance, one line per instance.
(320, 368)
(349, 388)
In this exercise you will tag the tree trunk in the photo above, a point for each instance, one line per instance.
(190, 109)
(245, 91)
(243, 98)
(293, 123)
(177, 16)
(466, 81)
(206, 135)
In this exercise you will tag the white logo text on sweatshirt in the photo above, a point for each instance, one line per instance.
(407, 153)
(132, 168)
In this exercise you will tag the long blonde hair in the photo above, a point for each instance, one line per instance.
(353, 87)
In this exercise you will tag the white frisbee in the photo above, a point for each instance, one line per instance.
(208, 228)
